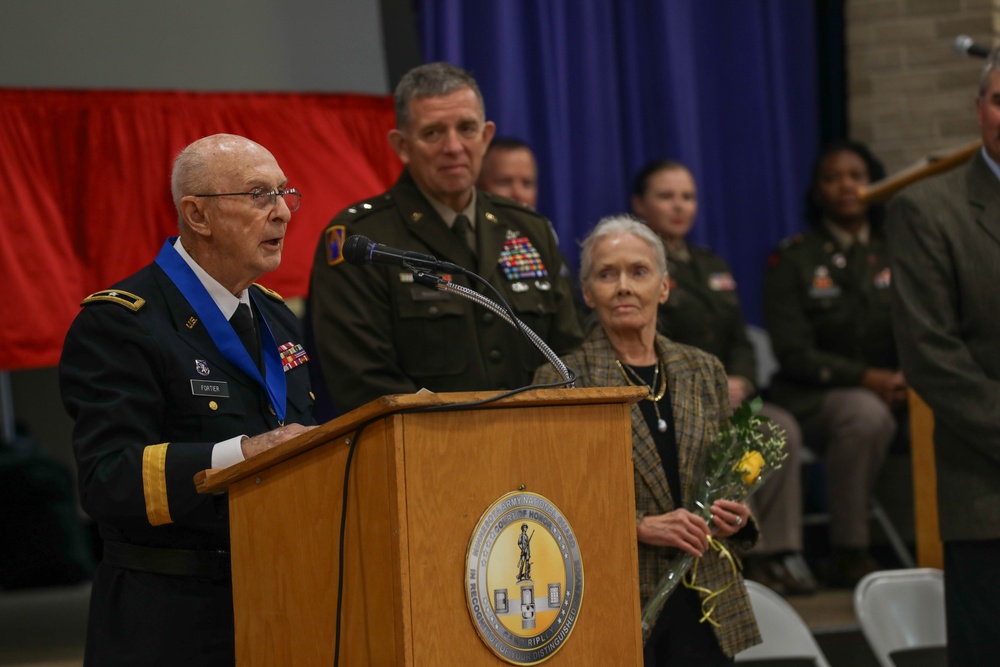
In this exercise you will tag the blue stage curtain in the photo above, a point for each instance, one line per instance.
(599, 88)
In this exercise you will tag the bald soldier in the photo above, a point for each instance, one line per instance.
(174, 370)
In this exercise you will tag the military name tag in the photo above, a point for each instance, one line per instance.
(524, 578)
(206, 388)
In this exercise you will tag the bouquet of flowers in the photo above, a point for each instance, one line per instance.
(745, 452)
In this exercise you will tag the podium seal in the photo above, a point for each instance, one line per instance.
(524, 578)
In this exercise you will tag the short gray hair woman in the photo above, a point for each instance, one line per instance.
(624, 278)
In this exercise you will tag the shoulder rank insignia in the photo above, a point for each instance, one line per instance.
(122, 298)
(335, 244)
(270, 292)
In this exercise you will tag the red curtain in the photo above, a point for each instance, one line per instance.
(89, 177)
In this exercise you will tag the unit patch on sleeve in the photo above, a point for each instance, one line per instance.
(520, 260)
(335, 244)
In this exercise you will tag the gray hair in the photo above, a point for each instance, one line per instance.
(432, 80)
(613, 226)
(191, 174)
(992, 65)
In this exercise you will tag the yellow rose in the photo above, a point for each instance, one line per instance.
(749, 466)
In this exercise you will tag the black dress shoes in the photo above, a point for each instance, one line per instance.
(786, 574)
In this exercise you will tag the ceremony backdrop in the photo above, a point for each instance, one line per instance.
(89, 178)
(597, 88)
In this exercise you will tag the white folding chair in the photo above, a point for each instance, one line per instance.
(785, 634)
(901, 612)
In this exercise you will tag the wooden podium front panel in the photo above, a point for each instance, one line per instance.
(285, 530)
(459, 463)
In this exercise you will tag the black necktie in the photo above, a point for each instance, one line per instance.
(463, 230)
(242, 321)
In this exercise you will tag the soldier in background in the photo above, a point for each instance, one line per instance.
(703, 310)
(826, 307)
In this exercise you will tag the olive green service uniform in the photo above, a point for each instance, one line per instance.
(826, 307)
(704, 310)
(377, 332)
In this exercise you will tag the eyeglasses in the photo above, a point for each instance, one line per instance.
(265, 198)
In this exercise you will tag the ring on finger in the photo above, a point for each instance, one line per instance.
(739, 521)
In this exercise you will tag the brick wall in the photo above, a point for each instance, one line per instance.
(909, 93)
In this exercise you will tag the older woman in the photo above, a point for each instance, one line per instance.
(624, 279)
(704, 310)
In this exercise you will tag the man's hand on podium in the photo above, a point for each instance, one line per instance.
(264, 441)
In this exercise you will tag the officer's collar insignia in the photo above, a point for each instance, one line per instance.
(201, 366)
(489, 216)
(416, 216)
(524, 581)
(335, 244)
(121, 297)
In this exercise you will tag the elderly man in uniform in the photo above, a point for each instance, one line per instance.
(395, 336)
(183, 366)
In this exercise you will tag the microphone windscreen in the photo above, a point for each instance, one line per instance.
(357, 249)
(961, 45)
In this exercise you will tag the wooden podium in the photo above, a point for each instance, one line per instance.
(419, 483)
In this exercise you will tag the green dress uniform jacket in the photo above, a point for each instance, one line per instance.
(377, 332)
(130, 372)
(945, 234)
(700, 399)
(827, 312)
(704, 310)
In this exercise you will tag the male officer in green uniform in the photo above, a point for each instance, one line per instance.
(377, 332)
(826, 306)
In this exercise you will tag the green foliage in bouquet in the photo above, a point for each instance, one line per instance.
(747, 449)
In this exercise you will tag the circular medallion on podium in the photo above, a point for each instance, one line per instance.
(524, 578)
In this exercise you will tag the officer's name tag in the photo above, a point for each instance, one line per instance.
(206, 388)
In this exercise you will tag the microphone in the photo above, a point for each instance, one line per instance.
(964, 46)
(360, 249)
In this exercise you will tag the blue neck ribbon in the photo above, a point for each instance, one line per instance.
(222, 332)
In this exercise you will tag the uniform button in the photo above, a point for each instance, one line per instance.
(433, 310)
(496, 355)
(271, 408)
(488, 317)
(212, 405)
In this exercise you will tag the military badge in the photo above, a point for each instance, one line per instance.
(721, 282)
(335, 244)
(822, 284)
(520, 260)
(292, 355)
(883, 278)
(201, 366)
(524, 581)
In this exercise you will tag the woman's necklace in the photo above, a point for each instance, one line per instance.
(661, 424)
